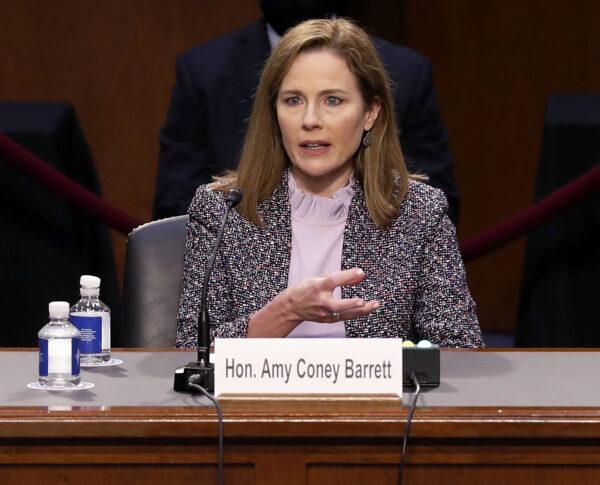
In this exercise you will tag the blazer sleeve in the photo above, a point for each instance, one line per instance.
(424, 138)
(444, 310)
(205, 215)
(183, 147)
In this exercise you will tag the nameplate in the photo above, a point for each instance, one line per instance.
(308, 366)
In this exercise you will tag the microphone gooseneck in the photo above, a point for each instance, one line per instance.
(202, 369)
(233, 198)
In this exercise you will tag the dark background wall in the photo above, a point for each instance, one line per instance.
(495, 64)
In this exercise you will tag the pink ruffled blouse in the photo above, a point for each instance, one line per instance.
(318, 225)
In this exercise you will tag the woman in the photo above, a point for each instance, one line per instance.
(333, 237)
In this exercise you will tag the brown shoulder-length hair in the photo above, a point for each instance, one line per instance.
(380, 168)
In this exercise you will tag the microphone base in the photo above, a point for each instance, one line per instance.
(205, 373)
(424, 362)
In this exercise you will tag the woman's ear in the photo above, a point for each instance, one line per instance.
(372, 113)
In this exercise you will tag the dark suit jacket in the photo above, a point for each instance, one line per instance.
(413, 268)
(212, 100)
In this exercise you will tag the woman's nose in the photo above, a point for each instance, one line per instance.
(311, 117)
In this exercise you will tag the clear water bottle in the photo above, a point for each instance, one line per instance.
(58, 343)
(92, 317)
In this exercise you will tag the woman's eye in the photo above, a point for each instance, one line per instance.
(333, 100)
(293, 100)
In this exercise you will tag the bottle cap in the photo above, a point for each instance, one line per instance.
(58, 309)
(89, 281)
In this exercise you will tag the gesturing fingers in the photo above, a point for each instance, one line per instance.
(343, 278)
(312, 299)
(350, 309)
(343, 305)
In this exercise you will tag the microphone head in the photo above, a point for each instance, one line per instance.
(233, 197)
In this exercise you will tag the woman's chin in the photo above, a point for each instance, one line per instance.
(319, 168)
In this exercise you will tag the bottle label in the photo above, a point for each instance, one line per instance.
(105, 331)
(43, 346)
(59, 356)
(91, 333)
(75, 343)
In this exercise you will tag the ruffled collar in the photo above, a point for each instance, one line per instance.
(316, 208)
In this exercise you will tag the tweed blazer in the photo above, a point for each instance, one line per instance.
(413, 267)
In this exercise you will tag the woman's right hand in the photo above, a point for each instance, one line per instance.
(310, 300)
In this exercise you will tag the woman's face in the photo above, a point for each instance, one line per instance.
(322, 117)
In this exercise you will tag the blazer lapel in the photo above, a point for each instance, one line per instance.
(363, 243)
(276, 215)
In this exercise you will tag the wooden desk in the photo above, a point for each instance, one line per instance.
(309, 440)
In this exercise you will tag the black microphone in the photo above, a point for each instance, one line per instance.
(203, 368)
(233, 197)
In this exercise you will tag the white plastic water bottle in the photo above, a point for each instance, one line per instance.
(58, 343)
(92, 317)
